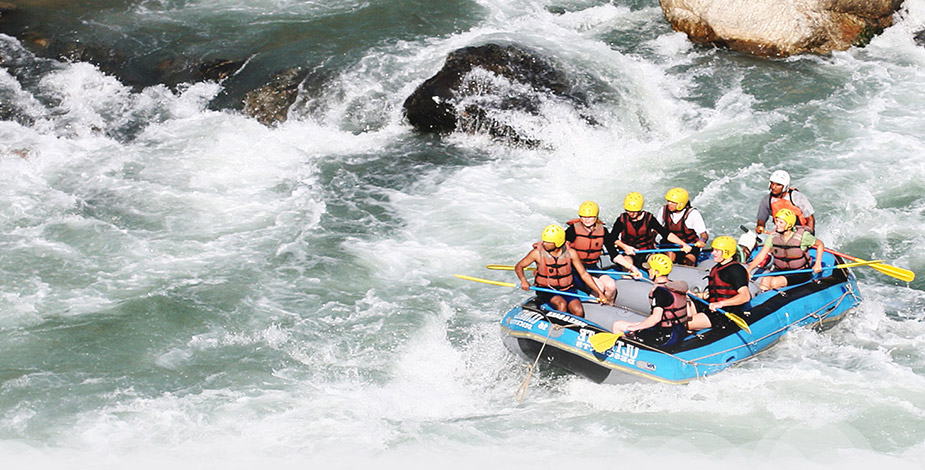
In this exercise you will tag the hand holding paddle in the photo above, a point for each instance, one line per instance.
(735, 318)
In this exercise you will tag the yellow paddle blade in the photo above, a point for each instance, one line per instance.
(893, 271)
(504, 267)
(500, 267)
(486, 281)
(738, 321)
(604, 341)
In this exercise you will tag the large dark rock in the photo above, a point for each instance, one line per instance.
(463, 95)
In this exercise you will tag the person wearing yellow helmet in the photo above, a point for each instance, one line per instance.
(783, 196)
(685, 221)
(727, 288)
(789, 243)
(636, 229)
(668, 319)
(557, 265)
(586, 235)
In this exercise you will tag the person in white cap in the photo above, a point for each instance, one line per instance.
(782, 196)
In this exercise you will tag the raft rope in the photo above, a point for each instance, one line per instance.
(827, 307)
(522, 390)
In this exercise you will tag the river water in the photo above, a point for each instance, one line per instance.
(182, 287)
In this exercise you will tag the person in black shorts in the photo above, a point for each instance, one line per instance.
(727, 288)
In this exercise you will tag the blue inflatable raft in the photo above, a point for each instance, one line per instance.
(560, 339)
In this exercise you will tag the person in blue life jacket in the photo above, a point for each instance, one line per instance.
(637, 229)
(685, 221)
(727, 288)
(557, 265)
(667, 322)
(789, 244)
(586, 236)
(782, 196)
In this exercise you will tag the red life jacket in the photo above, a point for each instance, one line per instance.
(680, 229)
(642, 238)
(588, 243)
(553, 272)
(676, 313)
(717, 288)
(786, 202)
(788, 255)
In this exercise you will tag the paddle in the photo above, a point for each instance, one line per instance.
(735, 318)
(825, 268)
(604, 341)
(656, 250)
(892, 271)
(584, 297)
(504, 267)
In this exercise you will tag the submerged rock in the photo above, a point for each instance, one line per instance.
(780, 28)
(270, 103)
(920, 38)
(476, 82)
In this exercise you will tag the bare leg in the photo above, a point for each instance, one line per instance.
(608, 286)
(558, 303)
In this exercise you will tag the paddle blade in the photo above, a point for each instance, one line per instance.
(889, 270)
(603, 341)
(738, 321)
(893, 271)
(502, 267)
(505, 267)
(486, 281)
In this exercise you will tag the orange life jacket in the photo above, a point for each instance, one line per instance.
(588, 243)
(554, 272)
(786, 202)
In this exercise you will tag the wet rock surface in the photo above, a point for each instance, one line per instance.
(780, 28)
(477, 82)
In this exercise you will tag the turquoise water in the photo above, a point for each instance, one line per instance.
(181, 286)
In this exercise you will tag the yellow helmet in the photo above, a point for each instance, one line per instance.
(678, 196)
(726, 244)
(554, 234)
(788, 216)
(588, 209)
(660, 263)
(633, 202)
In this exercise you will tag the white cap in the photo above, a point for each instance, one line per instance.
(748, 240)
